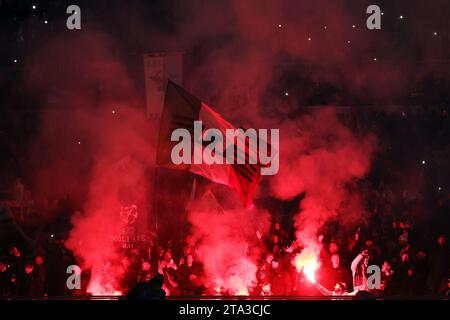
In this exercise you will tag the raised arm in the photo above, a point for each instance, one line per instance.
(355, 263)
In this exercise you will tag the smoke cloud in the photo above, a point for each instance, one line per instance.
(94, 144)
(324, 160)
(226, 241)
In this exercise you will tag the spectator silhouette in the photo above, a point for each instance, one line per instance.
(150, 290)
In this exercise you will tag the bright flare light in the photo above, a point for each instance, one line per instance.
(242, 292)
(307, 262)
(97, 287)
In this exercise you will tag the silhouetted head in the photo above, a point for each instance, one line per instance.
(168, 254)
(333, 247)
(157, 280)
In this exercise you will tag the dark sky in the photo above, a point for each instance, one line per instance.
(414, 38)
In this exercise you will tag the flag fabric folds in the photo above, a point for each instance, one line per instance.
(181, 109)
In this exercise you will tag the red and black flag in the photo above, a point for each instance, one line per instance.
(181, 109)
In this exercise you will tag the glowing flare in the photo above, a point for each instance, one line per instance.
(238, 285)
(100, 289)
(242, 292)
(307, 263)
(310, 271)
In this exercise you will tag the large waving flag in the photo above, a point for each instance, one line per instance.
(181, 109)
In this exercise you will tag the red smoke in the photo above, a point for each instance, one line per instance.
(93, 142)
(225, 240)
(113, 185)
(319, 156)
(323, 159)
